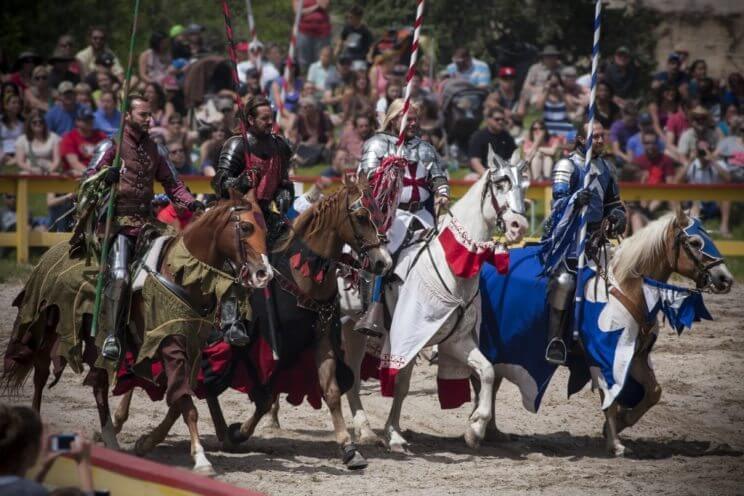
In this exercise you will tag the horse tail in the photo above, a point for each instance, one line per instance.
(20, 357)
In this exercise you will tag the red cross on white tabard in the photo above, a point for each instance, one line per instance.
(414, 182)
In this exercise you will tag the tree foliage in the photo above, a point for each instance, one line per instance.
(490, 28)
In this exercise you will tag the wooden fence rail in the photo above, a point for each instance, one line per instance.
(23, 186)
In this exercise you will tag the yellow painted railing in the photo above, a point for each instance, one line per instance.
(23, 186)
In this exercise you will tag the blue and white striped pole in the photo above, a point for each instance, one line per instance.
(581, 242)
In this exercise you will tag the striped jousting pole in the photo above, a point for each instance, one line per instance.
(289, 64)
(232, 54)
(251, 20)
(581, 242)
(377, 288)
(411, 72)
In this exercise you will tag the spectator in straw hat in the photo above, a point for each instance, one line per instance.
(61, 68)
(538, 73)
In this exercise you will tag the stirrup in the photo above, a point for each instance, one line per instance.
(556, 352)
(111, 349)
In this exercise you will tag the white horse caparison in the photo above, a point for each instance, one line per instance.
(495, 200)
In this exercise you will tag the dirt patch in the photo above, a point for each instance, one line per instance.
(691, 443)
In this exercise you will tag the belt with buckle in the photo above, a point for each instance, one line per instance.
(411, 206)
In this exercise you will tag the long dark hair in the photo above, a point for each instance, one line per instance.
(531, 133)
(667, 87)
(36, 114)
(5, 118)
(155, 39)
(161, 94)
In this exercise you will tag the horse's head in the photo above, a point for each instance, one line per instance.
(695, 255)
(506, 186)
(242, 240)
(361, 228)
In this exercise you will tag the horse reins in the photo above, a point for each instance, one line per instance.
(682, 239)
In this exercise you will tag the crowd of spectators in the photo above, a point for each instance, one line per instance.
(686, 126)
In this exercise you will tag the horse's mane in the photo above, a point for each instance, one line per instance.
(641, 253)
(316, 219)
(214, 212)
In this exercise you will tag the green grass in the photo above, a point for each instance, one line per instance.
(10, 271)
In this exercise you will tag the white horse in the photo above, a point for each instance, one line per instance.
(496, 200)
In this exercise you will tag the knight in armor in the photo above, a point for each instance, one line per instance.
(142, 162)
(258, 161)
(602, 199)
(425, 182)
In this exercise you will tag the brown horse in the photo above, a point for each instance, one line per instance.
(309, 299)
(673, 244)
(233, 232)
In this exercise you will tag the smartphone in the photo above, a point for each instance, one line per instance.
(61, 442)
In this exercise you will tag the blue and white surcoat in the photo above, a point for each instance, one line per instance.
(559, 240)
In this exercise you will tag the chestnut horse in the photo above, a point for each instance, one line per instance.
(349, 216)
(232, 231)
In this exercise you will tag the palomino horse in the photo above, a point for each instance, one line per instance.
(234, 232)
(440, 273)
(308, 310)
(673, 244)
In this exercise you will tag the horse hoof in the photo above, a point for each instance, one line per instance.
(353, 459)
(400, 448)
(496, 436)
(472, 439)
(142, 446)
(205, 470)
(619, 450)
(369, 439)
(234, 436)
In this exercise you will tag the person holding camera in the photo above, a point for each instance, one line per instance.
(705, 168)
(23, 441)
(554, 103)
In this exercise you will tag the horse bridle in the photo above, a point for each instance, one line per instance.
(682, 240)
(494, 201)
(244, 265)
(365, 202)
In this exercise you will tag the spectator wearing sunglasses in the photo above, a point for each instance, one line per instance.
(37, 149)
(538, 149)
(38, 95)
(494, 135)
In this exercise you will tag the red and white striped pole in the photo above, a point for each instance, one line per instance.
(411, 72)
(251, 20)
(289, 64)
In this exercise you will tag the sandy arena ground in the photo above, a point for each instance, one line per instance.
(691, 443)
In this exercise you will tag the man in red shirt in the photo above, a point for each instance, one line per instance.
(314, 31)
(76, 147)
(655, 168)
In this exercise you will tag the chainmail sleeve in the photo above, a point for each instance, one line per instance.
(229, 166)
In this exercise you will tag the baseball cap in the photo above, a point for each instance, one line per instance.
(176, 30)
(623, 50)
(194, 28)
(344, 60)
(645, 118)
(255, 45)
(506, 72)
(65, 87)
(569, 71)
(674, 56)
(242, 47)
(359, 65)
(84, 113)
